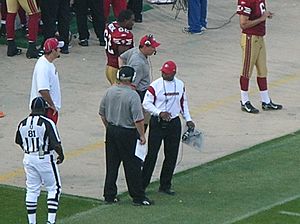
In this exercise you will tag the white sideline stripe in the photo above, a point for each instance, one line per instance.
(90, 212)
(289, 213)
(262, 209)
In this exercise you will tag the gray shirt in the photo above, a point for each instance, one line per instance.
(136, 59)
(121, 106)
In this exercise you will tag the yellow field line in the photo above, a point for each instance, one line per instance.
(74, 153)
(195, 111)
(13, 174)
(220, 102)
(85, 149)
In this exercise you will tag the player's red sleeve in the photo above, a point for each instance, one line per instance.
(244, 7)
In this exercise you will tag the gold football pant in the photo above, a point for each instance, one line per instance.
(29, 6)
(254, 54)
(111, 74)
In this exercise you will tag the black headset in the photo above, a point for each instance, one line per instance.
(131, 78)
(148, 41)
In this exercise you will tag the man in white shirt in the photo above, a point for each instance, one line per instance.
(45, 80)
(165, 99)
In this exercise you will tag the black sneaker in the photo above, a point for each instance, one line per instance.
(13, 52)
(144, 202)
(65, 49)
(111, 200)
(167, 191)
(12, 49)
(271, 106)
(249, 108)
(84, 43)
(138, 20)
(32, 52)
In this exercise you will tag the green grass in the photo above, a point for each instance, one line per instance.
(13, 209)
(250, 186)
(21, 40)
(287, 213)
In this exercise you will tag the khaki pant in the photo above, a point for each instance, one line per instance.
(254, 54)
(29, 6)
(111, 74)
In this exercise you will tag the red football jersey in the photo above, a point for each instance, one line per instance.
(253, 9)
(114, 36)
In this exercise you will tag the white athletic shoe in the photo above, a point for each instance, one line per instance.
(187, 31)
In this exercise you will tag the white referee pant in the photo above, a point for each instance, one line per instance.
(41, 172)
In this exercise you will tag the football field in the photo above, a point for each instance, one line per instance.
(219, 185)
(286, 211)
(256, 185)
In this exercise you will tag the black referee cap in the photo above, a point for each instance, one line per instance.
(38, 105)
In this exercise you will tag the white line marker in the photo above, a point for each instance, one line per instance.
(289, 213)
(251, 213)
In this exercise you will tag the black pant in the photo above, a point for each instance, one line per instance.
(56, 11)
(96, 6)
(136, 6)
(120, 146)
(170, 132)
(142, 94)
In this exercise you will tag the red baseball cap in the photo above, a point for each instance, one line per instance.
(169, 68)
(52, 44)
(149, 40)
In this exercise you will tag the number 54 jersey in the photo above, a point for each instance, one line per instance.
(115, 37)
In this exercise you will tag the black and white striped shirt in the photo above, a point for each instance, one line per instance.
(37, 132)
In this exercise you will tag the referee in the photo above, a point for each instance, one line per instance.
(121, 113)
(38, 137)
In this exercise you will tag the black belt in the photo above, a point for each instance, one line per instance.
(162, 123)
(45, 153)
(160, 119)
(117, 126)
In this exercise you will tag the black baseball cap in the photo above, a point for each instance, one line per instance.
(126, 73)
